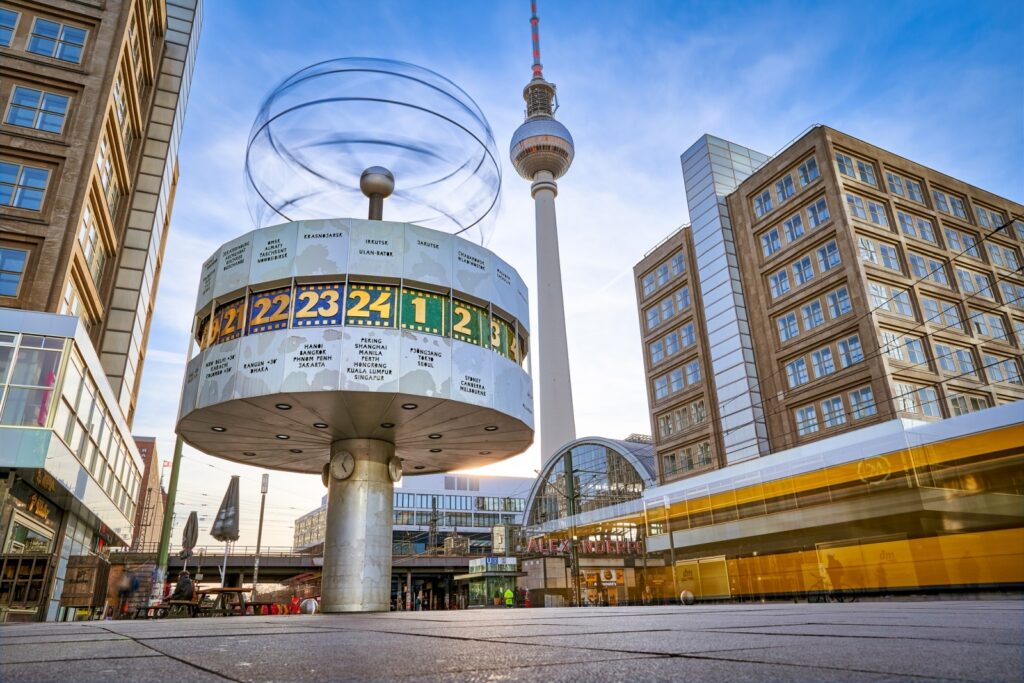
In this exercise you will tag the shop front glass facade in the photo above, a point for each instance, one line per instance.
(69, 471)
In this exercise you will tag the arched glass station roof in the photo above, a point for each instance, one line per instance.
(606, 472)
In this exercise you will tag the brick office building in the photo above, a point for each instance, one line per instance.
(93, 98)
(840, 285)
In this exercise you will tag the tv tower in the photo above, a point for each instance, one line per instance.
(542, 151)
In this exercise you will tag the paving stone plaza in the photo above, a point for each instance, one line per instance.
(961, 640)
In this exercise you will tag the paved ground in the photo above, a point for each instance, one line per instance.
(880, 641)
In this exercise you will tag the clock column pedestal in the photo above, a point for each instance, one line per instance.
(357, 545)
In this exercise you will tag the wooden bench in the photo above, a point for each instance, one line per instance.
(167, 608)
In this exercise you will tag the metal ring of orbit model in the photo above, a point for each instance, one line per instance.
(322, 126)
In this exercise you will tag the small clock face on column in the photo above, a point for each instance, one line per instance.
(395, 469)
(343, 465)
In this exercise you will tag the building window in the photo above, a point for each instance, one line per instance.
(928, 269)
(22, 187)
(105, 165)
(845, 165)
(949, 203)
(989, 218)
(965, 244)
(910, 398)
(862, 403)
(648, 284)
(806, 420)
(779, 283)
(92, 247)
(71, 303)
(796, 373)
(1001, 369)
(944, 357)
(890, 299)
(668, 308)
(794, 228)
(770, 242)
(660, 387)
(958, 207)
(895, 183)
(678, 264)
(839, 303)
(878, 214)
(868, 254)
(52, 39)
(1013, 295)
(817, 213)
(988, 325)
(672, 343)
(891, 345)
(12, 268)
(961, 404)
(975, 283)
(850, 351)
(821, 361)
(914, 191)
(688, 334)
(37, 109)
(762, 203)
(856, 205)
(803, 271)
(915, 227)
(662, 274)
(915, 350)
(8, 21)
(788, 328)
(675, 381)
(784, 188)
(866, 172)
(890, 257)
(808, 171)
(812, 315)
(682, 298)
(653, 316)
(828, 257)
(832, 412)
(121, 111)
(657, 351)
(942, 312)
(965, 359)
(30, 390)
(1018, 332)
(692, 373)
(1004, 257)
(682, 418)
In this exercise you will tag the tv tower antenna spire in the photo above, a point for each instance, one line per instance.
(534, 22)
(542, 151)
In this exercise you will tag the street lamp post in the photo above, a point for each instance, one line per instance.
(572, 498)
(259, 533)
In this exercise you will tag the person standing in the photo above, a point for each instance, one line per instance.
(510, 598)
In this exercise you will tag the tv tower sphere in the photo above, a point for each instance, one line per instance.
(541, 144)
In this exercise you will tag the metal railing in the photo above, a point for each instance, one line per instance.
(214, 550)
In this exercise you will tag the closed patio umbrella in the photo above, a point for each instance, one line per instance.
(189, 537)
(225, 526)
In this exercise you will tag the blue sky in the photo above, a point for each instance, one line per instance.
(941, 83)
